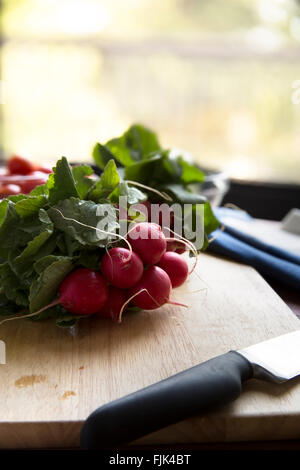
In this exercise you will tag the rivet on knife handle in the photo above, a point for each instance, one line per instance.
(191, 392)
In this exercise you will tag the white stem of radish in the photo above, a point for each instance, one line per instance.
(202, 280)
(132, 297)
(172, 302)
(96, 228)
(161, 194)
(52, 304)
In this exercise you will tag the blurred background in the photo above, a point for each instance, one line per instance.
(218, 79)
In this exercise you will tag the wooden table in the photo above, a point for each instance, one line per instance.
(53, 378)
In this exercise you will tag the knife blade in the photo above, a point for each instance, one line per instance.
(191, 392)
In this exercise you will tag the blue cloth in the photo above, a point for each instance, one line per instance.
(270, 261)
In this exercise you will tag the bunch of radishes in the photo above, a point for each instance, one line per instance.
(141, 275)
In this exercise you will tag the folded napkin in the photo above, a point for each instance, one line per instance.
(269, 260)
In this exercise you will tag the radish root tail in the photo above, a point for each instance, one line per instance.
(161, 194)
(95, 228)
(132, 297)
(172, 302)
(28, 315)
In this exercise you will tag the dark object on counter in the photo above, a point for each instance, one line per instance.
(191, 392)
(263, 200)
(183, 395)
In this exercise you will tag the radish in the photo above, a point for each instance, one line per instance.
(116, 300)
(176, 245)
(175, 266)
(153, 290)
(83, 292)
(148, 241)
(166, 217)
(121, 267)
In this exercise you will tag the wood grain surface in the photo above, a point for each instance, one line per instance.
(54, 378)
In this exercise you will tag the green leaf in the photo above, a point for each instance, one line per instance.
(3, 207)
(11, 285)
(83, 183)
(120, 151)
(61, 183)
(41, 190)
(31, 205)
(44, 290)
(144, 171)
(7, 307)
(4, 204)
(78, 219)
(43, 263)
(134, 145)
(114, 149)
(42, 245)
(141, 142)
(16, 232)
(180, 194)
(8, 230)
(72, 245)
(107, 183)
(101, 154)
(190, 173)
(134, 195)
(90, 259)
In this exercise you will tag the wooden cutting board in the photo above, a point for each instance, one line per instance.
(54, 378)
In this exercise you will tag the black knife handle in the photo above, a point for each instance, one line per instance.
(191, 392)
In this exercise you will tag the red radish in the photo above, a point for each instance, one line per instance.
(121, 267)
(26, 182)
(155, 287)
(9, 190)
(176, 245)
(31, 181)
(83, 292)
(147, 205)
(175, 266)
(166, 217)
(116, 300)
(148, 241)
(19, 166)
(160, 214)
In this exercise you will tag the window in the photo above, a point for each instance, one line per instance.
(218, 79)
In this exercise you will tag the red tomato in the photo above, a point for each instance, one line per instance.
(28, 183)
(44, 169)
(9, 190)
(19, 166)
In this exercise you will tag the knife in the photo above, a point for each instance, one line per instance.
(191, 392)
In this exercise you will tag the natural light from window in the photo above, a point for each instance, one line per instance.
(221, 86)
